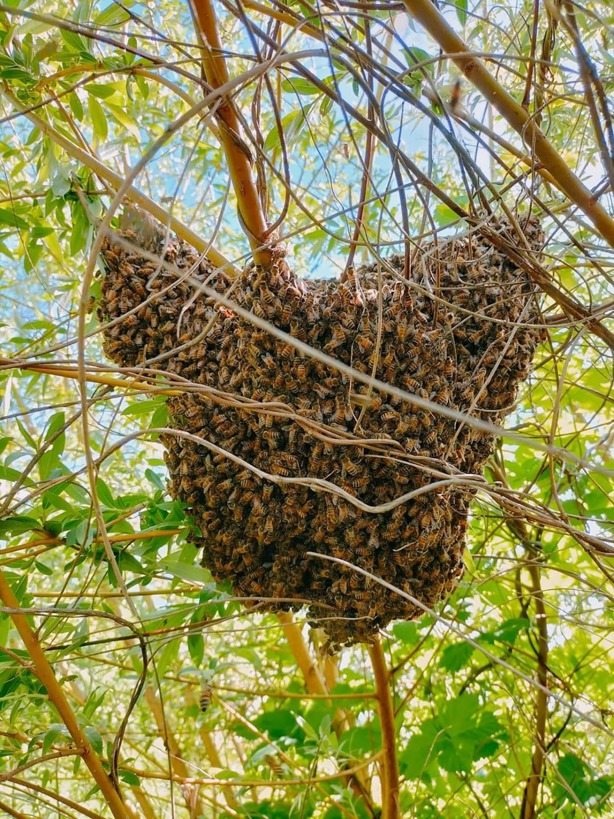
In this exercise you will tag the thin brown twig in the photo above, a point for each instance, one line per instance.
(531, 790)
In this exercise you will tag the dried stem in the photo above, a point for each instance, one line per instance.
(389, 762)
(238, 155)
(44, 672)
(519, 119)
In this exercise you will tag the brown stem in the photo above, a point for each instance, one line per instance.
(314, 681)
(390, 765)
(44, 672)
(519, 119)
(531, 790)
(237, 153)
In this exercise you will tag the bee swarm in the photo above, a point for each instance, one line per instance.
(460, 330)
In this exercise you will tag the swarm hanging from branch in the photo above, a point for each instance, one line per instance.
(460, 330)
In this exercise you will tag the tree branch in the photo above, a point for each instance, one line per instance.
(389, 763)
(237, 153)
(520, 120)
(45, 674)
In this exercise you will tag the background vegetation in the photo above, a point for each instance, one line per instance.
(361, 134)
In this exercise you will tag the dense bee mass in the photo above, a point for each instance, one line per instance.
(460, 330)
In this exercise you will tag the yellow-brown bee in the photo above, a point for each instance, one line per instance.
(205, 697)
(286, 312)
(364, 342)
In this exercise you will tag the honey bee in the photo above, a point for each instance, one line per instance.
(257, 309)
(364, 342)
(274, 763)
(337, 339)
(426, 519)
(286, 313)
(341, 412)
(205, 697)
(350, 467)
(362, 595)
(443, 396)
(410, 383)
(402, 332)
(273, 437)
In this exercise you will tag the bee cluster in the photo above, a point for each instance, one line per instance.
(459, 330)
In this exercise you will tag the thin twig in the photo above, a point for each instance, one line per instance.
(531, 790)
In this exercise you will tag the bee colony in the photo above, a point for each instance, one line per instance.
(460, 330)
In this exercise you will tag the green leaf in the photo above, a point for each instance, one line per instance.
(461, 11)
(18, 524)
(129, 778)
(124, 119)
(94, 738)
(50, 459)
(101, 91)
(456, 656)
(407, 632)
(142, 407)
(300, 86)
(186, 571)
(73, 41)
(113, 15)
(9, 217)
(99, 119)
(55, 732)
(196, 648)
(105, 495)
